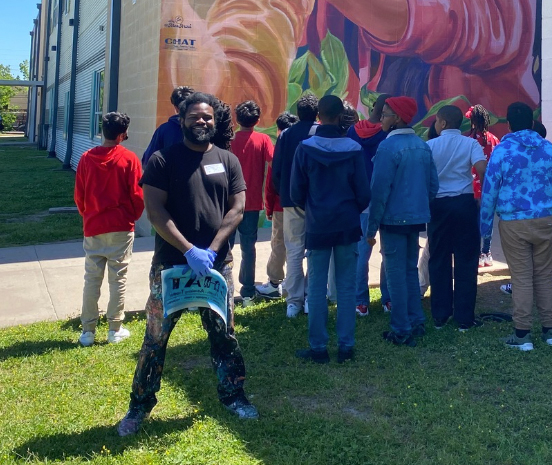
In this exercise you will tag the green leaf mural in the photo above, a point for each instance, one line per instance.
(320, 82)
(368, 97)
(298, 71)
(335, 61)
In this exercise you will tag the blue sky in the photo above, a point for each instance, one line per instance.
(16, 21)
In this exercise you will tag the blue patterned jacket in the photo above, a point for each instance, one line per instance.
(518, 181)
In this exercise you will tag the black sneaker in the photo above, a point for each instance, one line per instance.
(242, 408)
(345, 354)
(398, 340)
(440, 324)
(474, 324)
(313, 355)
(419, 330)
(132, 422)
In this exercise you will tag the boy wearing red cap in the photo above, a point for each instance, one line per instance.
(453, 231)
(403, 183)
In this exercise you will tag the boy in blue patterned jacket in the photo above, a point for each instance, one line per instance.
(518, 186)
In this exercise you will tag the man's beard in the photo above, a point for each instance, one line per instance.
(199, 135)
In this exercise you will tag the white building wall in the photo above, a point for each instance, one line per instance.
(547, 66)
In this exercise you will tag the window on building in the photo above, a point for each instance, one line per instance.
(96, 107)
(66, 116)
(53, 22)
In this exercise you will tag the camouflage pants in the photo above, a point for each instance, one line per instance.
(226, 355)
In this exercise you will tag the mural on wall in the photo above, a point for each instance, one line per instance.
(438, 51)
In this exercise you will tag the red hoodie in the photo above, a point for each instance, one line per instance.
(107, 193)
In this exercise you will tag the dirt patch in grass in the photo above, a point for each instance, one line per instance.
(489, 296)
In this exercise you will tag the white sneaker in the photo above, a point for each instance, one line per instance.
(248, 301)
(87, 338)
(506, 288)
(306, 307)
(481, 260)
(118, 336)
(269, 291)
(292, 310)
(487, 259)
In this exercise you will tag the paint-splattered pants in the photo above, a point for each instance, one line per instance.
(225, 352)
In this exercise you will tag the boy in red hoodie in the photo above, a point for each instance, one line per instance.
(110, 201)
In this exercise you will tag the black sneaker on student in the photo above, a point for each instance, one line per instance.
(343, 355)
(241, 407)
(440, 324)
(474, 324)
(419, 330)
(132, 422)
(313, 355)
(398, 340)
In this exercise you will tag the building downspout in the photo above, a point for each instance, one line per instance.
(33, 75)
(43, 138)
(114, 52)
(72, 85)
(52, 150)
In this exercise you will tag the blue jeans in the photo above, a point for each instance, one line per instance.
(318, 261)
(400, 254)
(248, 237)
(486, 248)
(385, 297)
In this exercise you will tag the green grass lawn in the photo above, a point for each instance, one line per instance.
(31, 184)
(457, 398)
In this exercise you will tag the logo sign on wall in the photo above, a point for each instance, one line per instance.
(182, 289)
(173, 43)
(178, 22)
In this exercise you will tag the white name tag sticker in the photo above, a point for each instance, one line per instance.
(214, 169)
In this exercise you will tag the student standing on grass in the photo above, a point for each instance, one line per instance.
(195, 196)
(254, 151)
(168, 133)
(272, 289)
(109, 200)
(404, 182)
(453, 231)
(518, 187)
(294, 216)
(480, 121)
(540, 129)
(328, 181)
(368, 134)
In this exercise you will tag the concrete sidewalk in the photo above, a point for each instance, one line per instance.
(44, 282)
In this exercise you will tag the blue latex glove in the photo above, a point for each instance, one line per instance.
(212, 254)
(199, 260)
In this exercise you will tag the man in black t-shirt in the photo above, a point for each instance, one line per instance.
(194, 195)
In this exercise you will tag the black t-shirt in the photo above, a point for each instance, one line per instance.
(198, 186)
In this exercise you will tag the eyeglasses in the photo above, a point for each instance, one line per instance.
(387, 115)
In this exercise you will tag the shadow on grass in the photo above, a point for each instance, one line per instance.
(30, 348)
(74, 324)
(268, 340)
(87, 443)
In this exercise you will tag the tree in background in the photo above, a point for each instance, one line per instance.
(24, 70)
(7, 92)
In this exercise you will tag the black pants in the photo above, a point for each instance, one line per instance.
(453, 232)
(226, 355)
